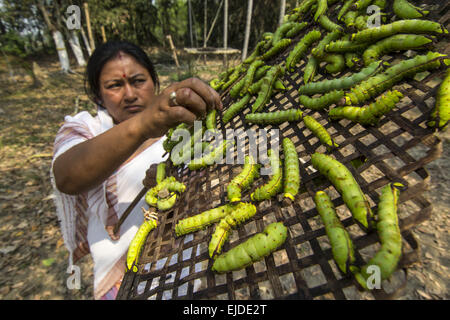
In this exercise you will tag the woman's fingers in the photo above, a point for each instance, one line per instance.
(189, 99)
(208, 94)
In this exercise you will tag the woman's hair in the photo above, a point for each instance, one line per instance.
(106, 52)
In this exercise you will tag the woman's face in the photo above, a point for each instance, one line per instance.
(126, 87)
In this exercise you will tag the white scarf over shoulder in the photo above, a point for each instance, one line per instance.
(84, 217)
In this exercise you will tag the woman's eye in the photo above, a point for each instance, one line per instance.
(114, 85)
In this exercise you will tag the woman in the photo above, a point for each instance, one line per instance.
(99, 162)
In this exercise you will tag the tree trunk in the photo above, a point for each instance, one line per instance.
(57, 38)
(76, 48)
(225, 32)
(190, 23)
(247, 29)
(62, 52)
(282, 12)
(86, 42)
(88, 24)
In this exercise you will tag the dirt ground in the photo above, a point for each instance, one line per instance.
(33, 258)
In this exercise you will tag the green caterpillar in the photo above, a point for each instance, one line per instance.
(135, 248)
(335, 62)
(235, 108)
(441, 112)
(344, 9)
(300, 48)
(362, 5)
(310, 69)
(389, 233)
(322, 102)
(341, 46)
(339, 83)
(385, 80)
(291, 173)
(167, 203)
(169, 184)
(238, 70)
(276, 48)
(160, 172)
(322, 6)
(275, 184)
(243, 180)
(319, 50)
(352, 59)
(210, 120)
(344, 182)
(213, 156)
(252, 250)
(350, 18)
(267, 87)
(256, 87)
(216, 84)
(394, 43)
(281, 31)
(241, 213)
(341, 244)
(320, 132)
(202, 220)
(405, 10)
(402, 26)
(368, 115)
(329, 25)
(295, 30)
(184, 155)
(249, 77)
(275, 117)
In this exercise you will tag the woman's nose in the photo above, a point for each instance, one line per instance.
(130, 94)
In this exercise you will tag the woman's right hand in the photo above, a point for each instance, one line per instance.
(194, 99)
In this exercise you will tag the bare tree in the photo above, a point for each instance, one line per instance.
(282, 11)
(247, 28)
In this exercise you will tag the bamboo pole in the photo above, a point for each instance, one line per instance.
(103, 34)
(247, 29)
(225, 33)
(88, 23)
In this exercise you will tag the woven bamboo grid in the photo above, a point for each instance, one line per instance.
(397, 149)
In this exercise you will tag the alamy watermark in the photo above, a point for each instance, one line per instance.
(73, 21)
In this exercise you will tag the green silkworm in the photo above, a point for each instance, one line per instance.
(238, 70)
(335, 62)
(319, 50)
(243, 180)
(352, 59)
(276, 48)
(300, 48)
(441, 112)
(368, 115)
(322, 102)
(216, 84)
(394, 43)
(135, 248)
(256, 52)
(267, 87)
(320, 132)
(210, 120)
(215, 155)
(413, 26)
(350, 18)
(170, 184)
(249, 77)
(160, 172)
(202, 220)
(361, 22)
(256, 87)
(310, 69)
(291, 173)
(275, 117)
(241, 213)
(329, 25)
(339, 83)
(383, 81)
(275, 183)
(362, 5)
(281, 32)
(344, 182)
(235, 108)
(341, 244)
(405, 10)
(252, 250)
(322, 6)
(388, 256)
(237, 88)
(341, 46)
(167, 203)
(295, 30)
(345, 7)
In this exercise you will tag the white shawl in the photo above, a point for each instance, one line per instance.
(84, 217)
